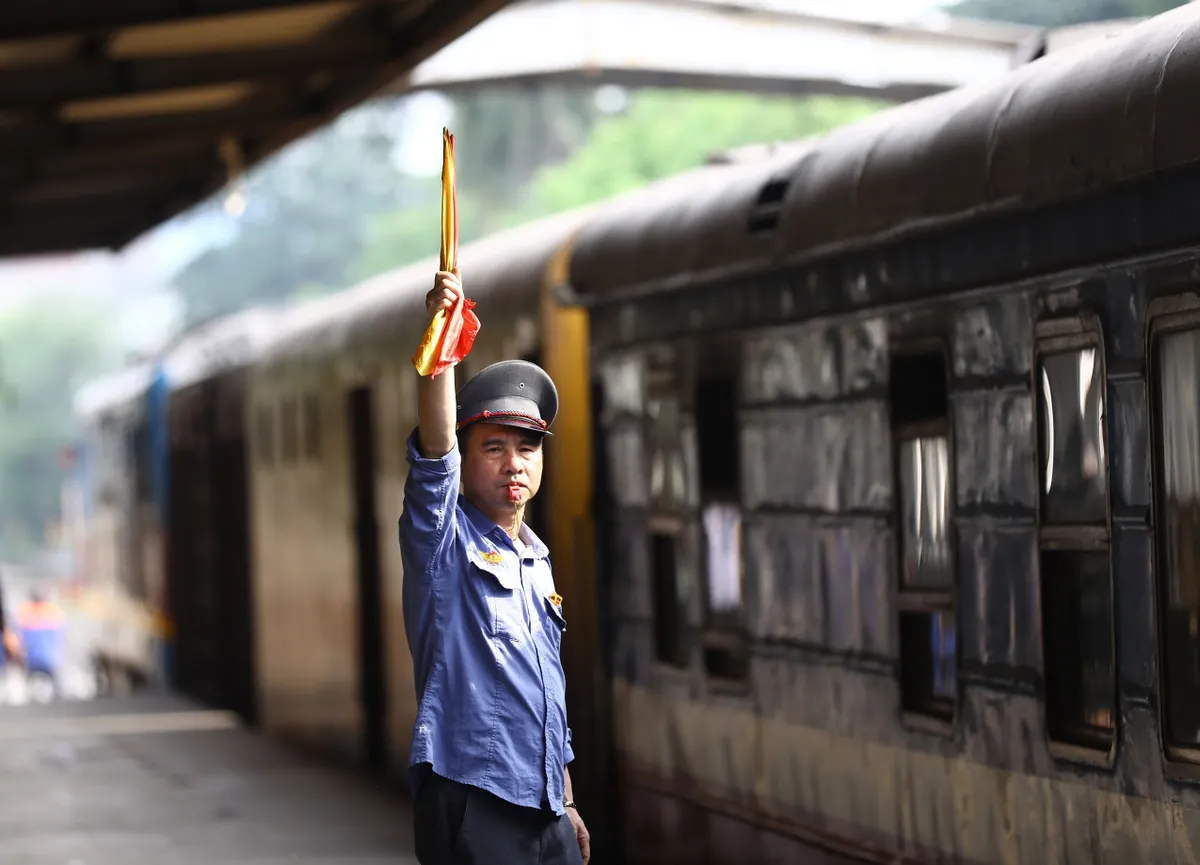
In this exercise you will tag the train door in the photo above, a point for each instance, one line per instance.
(231, 521)
(195, 591)
(371, 673)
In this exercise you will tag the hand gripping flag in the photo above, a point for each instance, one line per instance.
(452, 332)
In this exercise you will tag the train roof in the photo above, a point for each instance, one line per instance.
(1071, 124)
(507, 265)
(117, 392)
(676, 228)
(220, 345)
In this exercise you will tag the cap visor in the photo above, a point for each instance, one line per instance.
(519, 423)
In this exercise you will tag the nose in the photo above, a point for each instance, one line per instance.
(512, 462)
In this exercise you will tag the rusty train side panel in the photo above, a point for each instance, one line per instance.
(816, 753)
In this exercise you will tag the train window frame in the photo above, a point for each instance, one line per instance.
(667, 516)
(924, 600)
(725, 645)
(1057, 335)
(1165, 316)
(672, 527)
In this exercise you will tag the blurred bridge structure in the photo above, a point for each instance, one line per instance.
(738, 45)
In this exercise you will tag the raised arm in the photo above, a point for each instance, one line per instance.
(434, 463)
(435, 400)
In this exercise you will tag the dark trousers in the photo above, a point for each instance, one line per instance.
(456, 824)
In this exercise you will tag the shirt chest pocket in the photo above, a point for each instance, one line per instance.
(504, 602)
(555, 624)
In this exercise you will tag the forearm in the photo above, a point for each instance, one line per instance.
(568, 792)
(436, 414)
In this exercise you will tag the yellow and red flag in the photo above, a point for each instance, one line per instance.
(451, 333)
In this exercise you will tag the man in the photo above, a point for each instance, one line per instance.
(40, 622)
(491, 744)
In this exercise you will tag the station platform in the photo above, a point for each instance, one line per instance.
(154, 779)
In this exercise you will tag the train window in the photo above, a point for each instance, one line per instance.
(723, 561)
(920, 413)
(1080, 690)
(717, 437)
(670, 603)
(668, 478)
(718, 447)
(925, 512)
(668, 484)
(289, 430)
(1073, 461)
(312, 427)
(1176, 359)
(1076, 581)
(265, 433)
(929, 636)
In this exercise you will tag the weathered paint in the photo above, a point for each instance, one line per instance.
(818, 738)
(931, 807)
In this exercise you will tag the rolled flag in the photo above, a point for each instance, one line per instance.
(451, 333)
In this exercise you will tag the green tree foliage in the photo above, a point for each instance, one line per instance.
(505, 134)
(1059, 13)
(664, 132)
(48, 349)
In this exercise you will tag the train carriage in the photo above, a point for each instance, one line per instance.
(900, 457)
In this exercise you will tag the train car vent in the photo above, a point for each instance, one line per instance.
(764, 217)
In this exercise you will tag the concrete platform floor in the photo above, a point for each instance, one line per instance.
(157, 781)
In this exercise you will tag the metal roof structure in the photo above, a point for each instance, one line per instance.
(731, 44)
(116, 115)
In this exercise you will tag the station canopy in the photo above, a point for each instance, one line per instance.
(115, 115)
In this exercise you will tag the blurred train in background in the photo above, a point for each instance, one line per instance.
(872, 499)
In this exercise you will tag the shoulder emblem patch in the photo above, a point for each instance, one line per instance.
(492, 558)
(556, 599)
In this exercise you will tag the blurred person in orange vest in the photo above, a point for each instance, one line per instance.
(40, 622)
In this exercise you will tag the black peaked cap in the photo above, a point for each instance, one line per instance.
(513, 393)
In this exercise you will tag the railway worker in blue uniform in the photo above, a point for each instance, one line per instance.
(490, 744)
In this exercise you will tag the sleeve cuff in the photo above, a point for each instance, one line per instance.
(438, 465)
(568, 751)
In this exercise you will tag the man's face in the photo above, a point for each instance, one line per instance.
(502, 466)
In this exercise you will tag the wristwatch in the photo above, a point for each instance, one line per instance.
(569, 804)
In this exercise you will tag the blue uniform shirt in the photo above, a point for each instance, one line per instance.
(485, 637)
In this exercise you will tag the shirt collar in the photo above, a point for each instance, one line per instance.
(488, 527)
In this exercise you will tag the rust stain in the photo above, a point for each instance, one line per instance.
(948, 807)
